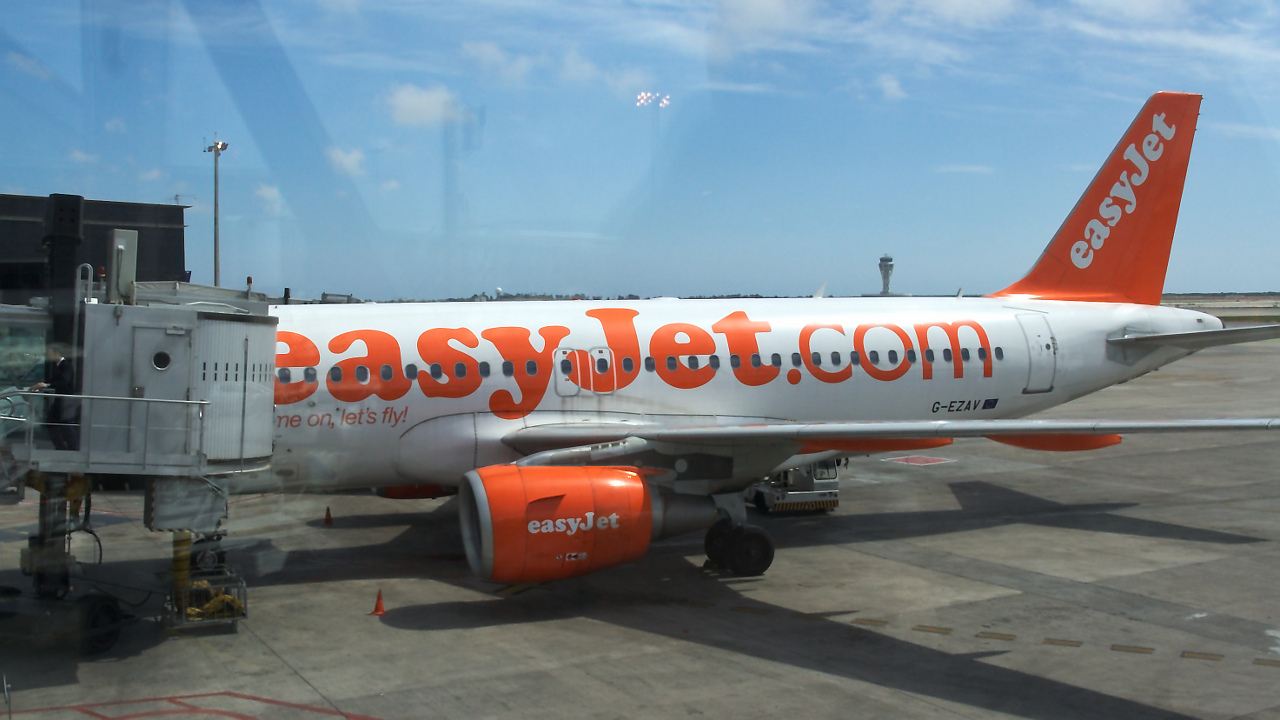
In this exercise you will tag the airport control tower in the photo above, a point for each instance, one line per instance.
(886, 271)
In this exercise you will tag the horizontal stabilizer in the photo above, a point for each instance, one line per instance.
(1200, 339)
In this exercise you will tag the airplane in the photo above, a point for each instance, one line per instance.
(577, 433)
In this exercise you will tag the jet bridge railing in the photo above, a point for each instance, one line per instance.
(102, 434)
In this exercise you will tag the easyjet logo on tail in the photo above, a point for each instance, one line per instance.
(1109, 213)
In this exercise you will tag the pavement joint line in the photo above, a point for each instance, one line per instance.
(1267, 662)
(516, 589)
(997, 636)
(1192, 655)
(1062, 643)
(869, 622)
(1133, 649)
(932, 629)
(750, 610)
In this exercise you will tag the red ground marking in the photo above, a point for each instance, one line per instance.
(918, 460)
(185, 708)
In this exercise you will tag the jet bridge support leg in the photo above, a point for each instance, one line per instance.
(48, 557)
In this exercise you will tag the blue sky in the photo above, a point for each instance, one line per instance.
(406, 149)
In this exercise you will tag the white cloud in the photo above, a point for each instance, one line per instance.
(969, 13)
(348, 162)
(82, 157)
(28, 65)
(390, 185)
(350, 7)
(891, 88)
(1143, 10)
(965, 169)
(751, 25)
(1257, 132)
(511, 69)
(272, 200)
(412, 105)
(115, 125)
(152, 174)
(626, 81)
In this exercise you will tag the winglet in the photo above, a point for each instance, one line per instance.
(1114, 246)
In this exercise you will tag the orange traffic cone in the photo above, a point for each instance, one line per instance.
(328, 517)
(377, 606)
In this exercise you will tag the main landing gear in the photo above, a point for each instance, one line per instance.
(745, 550)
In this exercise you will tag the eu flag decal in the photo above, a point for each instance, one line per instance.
(990, 403)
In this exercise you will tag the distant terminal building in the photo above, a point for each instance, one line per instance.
(23, 259)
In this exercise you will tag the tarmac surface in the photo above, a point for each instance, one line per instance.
(972, 581)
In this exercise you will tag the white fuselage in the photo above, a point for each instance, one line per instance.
(485, 370)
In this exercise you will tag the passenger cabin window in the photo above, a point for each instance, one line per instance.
(362, 374)
(928, 355)
(459, 370)
(816, 358)
(795, 360)
(982, 353)
(566, 366)
(755, 360)
(285, 376)
(649, 364)
(964, 354)
(946, 355)
(508, 370)
(671, 363)
(309, 375)
(874, 357)
(854, 358)
(735, 362)
(531, 367)
(436, 371)
(335, 374)
(411, 371)
(911, 356)
(893, 357)
(835, 359)
(693, 362)
(714, 362)
(628, 365)
(602, 365)
(775, 360)
(999, 353)
(484, 369)
(386, 372)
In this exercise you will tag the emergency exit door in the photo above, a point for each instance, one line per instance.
(1042, 350)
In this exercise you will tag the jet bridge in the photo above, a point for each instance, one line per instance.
(116, 383)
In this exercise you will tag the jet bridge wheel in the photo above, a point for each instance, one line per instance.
(100, 623)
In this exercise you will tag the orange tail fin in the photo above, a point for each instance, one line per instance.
(1114, 246)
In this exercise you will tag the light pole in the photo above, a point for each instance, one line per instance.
(658, 101)
(216, 148)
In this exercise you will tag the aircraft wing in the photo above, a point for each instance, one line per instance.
(1200, 339)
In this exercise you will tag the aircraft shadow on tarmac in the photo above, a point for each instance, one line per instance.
(984, 505)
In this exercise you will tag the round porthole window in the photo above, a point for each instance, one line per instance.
(161, 360)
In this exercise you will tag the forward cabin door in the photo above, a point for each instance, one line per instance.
(1042, 350)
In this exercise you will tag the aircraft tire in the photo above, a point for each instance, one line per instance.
(718, 542)
(750, 551)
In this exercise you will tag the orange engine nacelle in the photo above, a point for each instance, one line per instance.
(538, 523)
